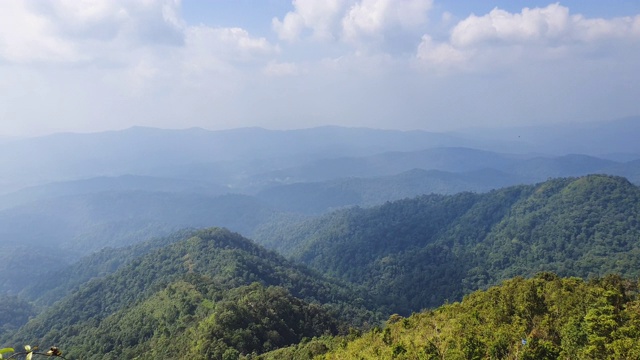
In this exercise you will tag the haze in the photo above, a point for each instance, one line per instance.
(91, 66)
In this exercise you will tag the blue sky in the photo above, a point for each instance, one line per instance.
(257, 15)
(102, 65)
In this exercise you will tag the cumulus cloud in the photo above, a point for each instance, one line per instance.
(86, 60)
(350, 20)
(549, 24)
(587, 30)
(121, 62)
(529, 25)
(540, 32)
(371, 17)
(72, 31)
(68, 31)
(152, 21)
(28, 36)
(140, 46)
(320, 17)
(443, 55)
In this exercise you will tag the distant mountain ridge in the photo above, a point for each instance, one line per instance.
(528, 168)
(614, 139)
(106, 184)
(80, 193)
(69, 219)
(142, 151)
(154, 152)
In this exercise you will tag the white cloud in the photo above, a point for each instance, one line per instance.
(72, 31)
(372, 17)
(98, 64)
(28, 36)
(123, 62)
(443, 55)
(529, 25)
(321, 17)
(549, 25)
(350, 20)
(142, 21)
(144, 38)
(589, 30)
(501, 37)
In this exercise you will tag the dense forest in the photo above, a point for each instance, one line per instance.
(65, 207)
(418, 253)
(545, 317)
(214, 294)
(213, 282)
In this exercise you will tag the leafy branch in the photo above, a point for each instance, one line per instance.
(29, 352)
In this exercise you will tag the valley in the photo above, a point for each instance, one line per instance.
(305, 249)
(319, 180)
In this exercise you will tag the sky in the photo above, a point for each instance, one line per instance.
(89, 65)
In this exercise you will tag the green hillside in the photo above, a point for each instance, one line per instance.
(212, 293)
(48, 288)
(14, 312)
(418, 253)
(542, 318)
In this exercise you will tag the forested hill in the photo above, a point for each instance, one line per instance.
(212, 293)
(418, 253)
(545, 317)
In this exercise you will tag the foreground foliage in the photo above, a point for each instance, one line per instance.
(29, 352)
(542, 318)
(545, 317)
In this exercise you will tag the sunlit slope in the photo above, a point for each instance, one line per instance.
(541, 318)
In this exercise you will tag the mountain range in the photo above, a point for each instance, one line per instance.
(225, 157)
(216, 292)
(123, 244)
(79, 193)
